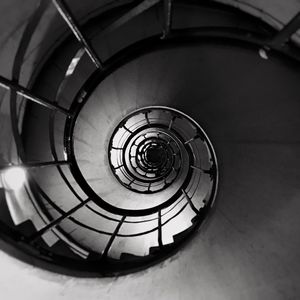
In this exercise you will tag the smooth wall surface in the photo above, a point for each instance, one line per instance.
(249, 249)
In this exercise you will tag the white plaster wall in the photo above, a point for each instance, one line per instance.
(221, 263)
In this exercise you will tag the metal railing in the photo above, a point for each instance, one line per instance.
(158, 157)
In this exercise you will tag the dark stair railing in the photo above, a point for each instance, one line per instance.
(156, 156)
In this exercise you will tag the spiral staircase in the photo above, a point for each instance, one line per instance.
(128, 125)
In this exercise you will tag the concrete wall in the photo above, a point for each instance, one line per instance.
(250, 249)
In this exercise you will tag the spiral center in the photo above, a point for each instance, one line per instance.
(155, 155)
(153, 148)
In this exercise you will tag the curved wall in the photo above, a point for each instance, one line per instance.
(250, 248)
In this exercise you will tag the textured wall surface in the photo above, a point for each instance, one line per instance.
(250, 248)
